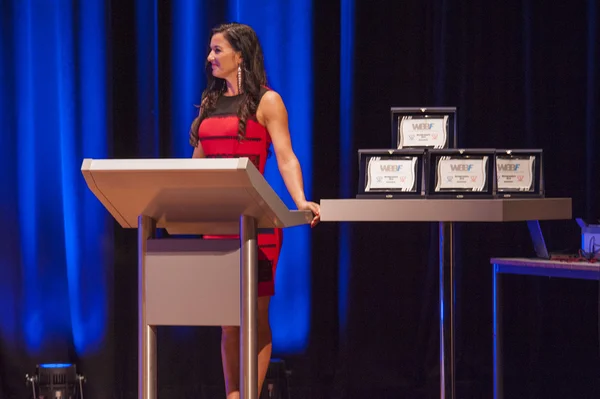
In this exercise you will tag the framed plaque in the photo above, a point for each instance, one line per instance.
(424, 128)
(519, 173)
(455, 173)
(391, 173)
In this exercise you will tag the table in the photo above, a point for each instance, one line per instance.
(445, 212)
(531, 267)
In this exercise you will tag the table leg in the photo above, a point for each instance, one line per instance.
(147, 373)
(497, 314)
(249, 308)
(447, 302)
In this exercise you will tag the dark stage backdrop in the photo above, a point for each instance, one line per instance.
(356, 316)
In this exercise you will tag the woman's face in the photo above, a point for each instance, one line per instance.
(223, 58)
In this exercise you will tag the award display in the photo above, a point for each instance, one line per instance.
(391, 173)
(467, 173)
(519, 173)
(424, 128)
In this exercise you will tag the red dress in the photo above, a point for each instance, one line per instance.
(218, 135)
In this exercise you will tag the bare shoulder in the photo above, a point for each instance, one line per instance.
(271, 97)
(271, 107)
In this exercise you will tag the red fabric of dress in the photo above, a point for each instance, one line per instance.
(218, 135)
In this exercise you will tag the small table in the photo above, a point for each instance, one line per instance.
(531, 267)
(445, 212)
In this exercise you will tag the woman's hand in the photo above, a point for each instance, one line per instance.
(314, 208)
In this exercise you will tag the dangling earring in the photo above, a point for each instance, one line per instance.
(239, 79)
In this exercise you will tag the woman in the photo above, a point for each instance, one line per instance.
(240, 117)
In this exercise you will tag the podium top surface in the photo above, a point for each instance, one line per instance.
(445, 210)
(188, 196)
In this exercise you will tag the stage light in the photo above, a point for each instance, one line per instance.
(276, 385)
(56, 381)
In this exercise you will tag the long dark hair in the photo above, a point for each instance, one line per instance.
(242, 38)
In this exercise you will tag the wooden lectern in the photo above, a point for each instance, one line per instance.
(193, 282)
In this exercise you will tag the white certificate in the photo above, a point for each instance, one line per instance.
(422, 132)
(391, 174)
(515, 174)
(461, 174)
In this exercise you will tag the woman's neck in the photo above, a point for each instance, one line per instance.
(232, 88)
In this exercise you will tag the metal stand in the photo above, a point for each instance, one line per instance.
(249, 308)
(447, 301)
(147, 373)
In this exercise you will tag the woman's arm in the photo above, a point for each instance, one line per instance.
(198, 151)
(273, 114)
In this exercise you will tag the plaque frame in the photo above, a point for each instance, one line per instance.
(431, 173)
(538, 172)
(425, 112)
(364, 155)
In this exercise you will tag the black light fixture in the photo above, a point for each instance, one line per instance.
(276, 385)
(56, 381)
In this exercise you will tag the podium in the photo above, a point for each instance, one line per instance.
(193, 282)
(445, 212)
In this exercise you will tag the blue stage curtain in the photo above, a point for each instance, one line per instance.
(53, 114)
(347, 155)
(57, 261)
